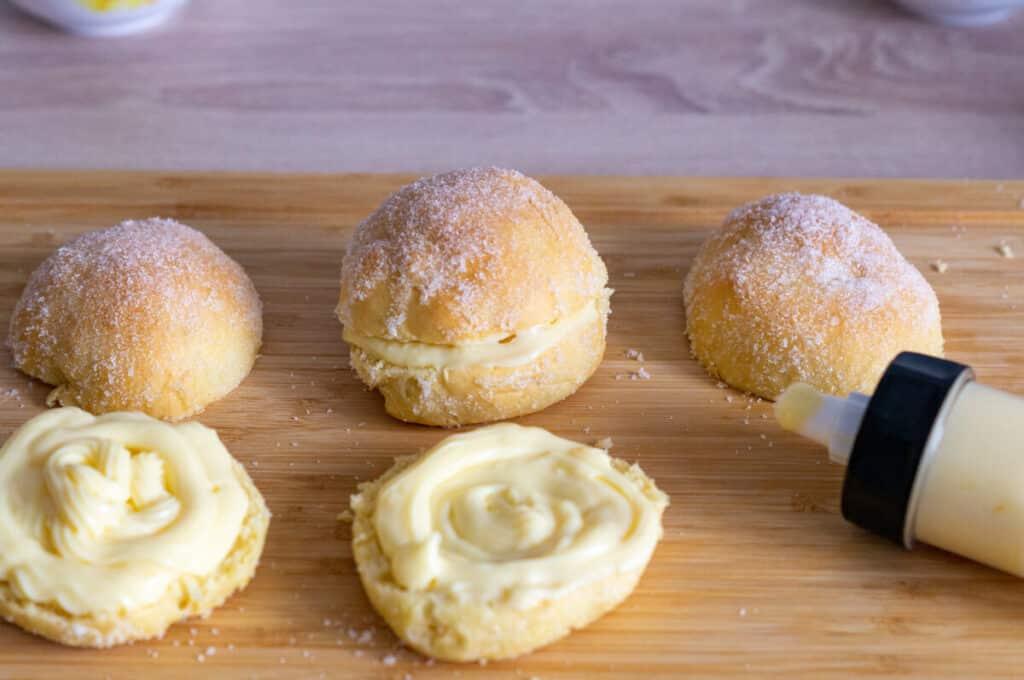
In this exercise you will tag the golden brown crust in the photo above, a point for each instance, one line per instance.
(146, 316)
(446, 627)
(796, 288)
(479, 394)
(467, 255)
(199, 599)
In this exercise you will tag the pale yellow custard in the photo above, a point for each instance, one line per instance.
(971, 484)
(504, 350)
(107, 514)
(515, 514)
(796, 406)
(114, 5)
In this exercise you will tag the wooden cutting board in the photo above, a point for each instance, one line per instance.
(757, 574)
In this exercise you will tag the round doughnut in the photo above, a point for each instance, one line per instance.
(473, 296)
(501, 540)
(799, 288)
(114, 527)
(146, 316)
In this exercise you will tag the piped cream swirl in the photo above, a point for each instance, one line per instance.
(514, 512)
(103, 514)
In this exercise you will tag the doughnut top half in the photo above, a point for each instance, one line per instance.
(147, 315)
(798, 287)
(467, 255)
(787, 248)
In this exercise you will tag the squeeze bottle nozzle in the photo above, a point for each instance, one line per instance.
(831, 421)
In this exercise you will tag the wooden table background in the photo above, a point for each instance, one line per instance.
(757, 575)
(698, 87)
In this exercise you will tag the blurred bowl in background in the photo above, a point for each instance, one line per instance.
(102, 17)
(964, 12)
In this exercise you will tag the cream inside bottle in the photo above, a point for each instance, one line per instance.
(932, 456)
(971, 499)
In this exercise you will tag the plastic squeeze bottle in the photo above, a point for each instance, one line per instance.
(932, 456)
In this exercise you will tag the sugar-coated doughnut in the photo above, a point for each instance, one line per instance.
(114, 527)
(501, 540)
(473, 296)
(146, 316)
(799, 288)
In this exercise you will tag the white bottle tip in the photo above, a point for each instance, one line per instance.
(831, 421)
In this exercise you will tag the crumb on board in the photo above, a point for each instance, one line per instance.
(940, 266)
(1005, 250)
(604, 443)
(9, 393)
(634, 354)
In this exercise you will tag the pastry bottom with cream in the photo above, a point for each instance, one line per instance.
(502, 540)
(492, 380)
(114, 527)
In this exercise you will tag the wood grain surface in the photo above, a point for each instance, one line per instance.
(757, 574)
(700, 87)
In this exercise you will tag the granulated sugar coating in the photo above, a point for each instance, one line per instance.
(801, 288)
(467, 255)
(147, 315)
(473, 257)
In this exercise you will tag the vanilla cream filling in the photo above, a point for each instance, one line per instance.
(502, 350)
(105, 514)
(516, 513)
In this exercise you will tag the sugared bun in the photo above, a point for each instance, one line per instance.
(146, 316)
(799, 288)
(472, 296)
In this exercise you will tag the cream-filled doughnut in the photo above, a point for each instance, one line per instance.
(146, 316)
(114, 527)
(473, 296)
(799, 288)
(501, 540)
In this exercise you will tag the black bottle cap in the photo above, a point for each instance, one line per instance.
(892, 439)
